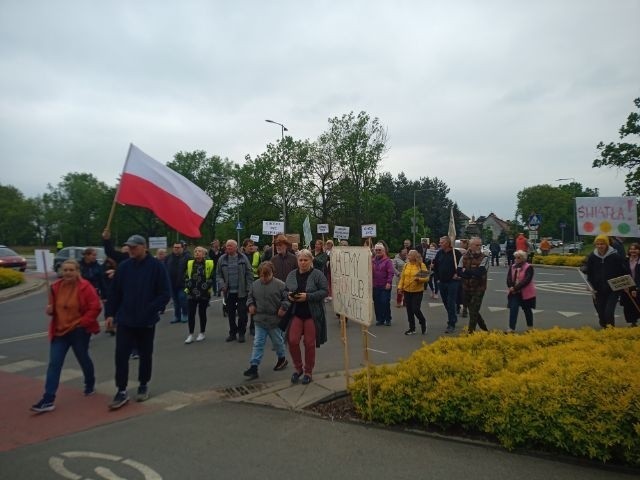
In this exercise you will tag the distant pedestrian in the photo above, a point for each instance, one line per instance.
(411, 284)
(267, 303)
(509, 250)
(545, 246)
(74, 307)
(445, 266)
(399, 261)
(176, 264)
(141, 288)
(473, 271)
(521, 291)
(494, 248)
(306, 288)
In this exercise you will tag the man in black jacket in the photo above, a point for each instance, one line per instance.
(445, 267)
(176, 265)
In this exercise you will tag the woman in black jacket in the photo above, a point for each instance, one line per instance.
(630, 300)
(602, 265)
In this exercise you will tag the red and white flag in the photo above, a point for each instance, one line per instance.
(175, 200)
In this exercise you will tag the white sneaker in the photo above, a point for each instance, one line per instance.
(189, 339)
(200, 337)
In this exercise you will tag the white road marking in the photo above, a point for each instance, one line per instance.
(20, 366)
(569, 314)
(23, 337)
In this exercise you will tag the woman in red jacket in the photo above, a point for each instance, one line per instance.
(74, 308)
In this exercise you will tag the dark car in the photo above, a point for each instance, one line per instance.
(10, 259)
(75, 253)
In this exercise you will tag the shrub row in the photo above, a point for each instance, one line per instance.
(10, 278)
(569, 391)
(566, 260)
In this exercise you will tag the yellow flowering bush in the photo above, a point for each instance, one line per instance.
(570, 391)
(569, 260)
(10, 278)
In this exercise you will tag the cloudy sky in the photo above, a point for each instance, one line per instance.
(490, 96)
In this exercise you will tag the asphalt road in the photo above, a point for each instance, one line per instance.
(210, 438)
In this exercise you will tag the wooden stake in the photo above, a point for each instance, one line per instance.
(345, 343)
(365, 342)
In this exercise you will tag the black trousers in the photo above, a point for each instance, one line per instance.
(201, 306)
(239, 305)
(128, 338)
(605, 304)
(412, 302)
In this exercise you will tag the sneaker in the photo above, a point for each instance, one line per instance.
(43, 406)
(450, 330)
(134, 356)
(509, 330)
(185, 319)
(387, 324)
(295, 377)
(251, 373)
(89, 391)
(189, 339)
(143, 393)
(306, 379)
(119, 399)
(282, 364)
(423, 329)
(200, 337)
(230, 338)
(241, 338)
(410, 332)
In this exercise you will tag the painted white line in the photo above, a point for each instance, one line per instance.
(497, 309)
(29, 336)
(569, 314)
(66, 374)
(20, 366)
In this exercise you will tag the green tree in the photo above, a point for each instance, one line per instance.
(213, 175)
(17, 222)
(325, 174)
(359, 143)
(624, 155)
(80, 204)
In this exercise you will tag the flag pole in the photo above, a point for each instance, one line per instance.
(113, 205)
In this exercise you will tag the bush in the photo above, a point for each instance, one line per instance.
(569, 391)
(566, 260)
(10, 278)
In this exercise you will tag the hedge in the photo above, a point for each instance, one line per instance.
(568, 391)
(10, 278)
(566, 260)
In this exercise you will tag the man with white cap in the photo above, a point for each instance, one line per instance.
(140, 290)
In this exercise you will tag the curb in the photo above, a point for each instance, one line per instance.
(24, 289)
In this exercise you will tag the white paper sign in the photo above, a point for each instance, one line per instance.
(157, 242)
(351, 283)
(613, 216)
(430, 254)
(255, 238)
(272, 228)
(369, 230)
(44, 258)
(620, 283)
(323, 228)
(341, 233)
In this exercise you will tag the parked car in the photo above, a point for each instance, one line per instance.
(10, 259)
(556, 243)
(75, 253)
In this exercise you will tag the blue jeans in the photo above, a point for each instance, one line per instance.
(515, 302)
(179, 303)
(259, 340)
(78, 340)
(382, 305)
(449, 295)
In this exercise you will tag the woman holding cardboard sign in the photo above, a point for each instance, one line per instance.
(602, 265)
(630, 298)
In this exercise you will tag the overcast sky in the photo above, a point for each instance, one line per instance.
(488, 96)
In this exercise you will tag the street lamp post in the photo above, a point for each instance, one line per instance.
(284, 202)
(415, 227)
(575, 216)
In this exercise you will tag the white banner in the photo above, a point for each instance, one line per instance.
(272, 228)
(351, 283)
(323, 228)
(44, 258)
(157, 242)
(255, 238)
(613, 216)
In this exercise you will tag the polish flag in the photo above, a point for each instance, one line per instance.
(175, 200)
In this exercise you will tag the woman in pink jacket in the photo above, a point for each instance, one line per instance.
(522, 290)
(74, 307)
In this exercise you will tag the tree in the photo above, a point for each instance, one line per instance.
(359, 143)
(17, 222)
(325, 173)
(214, 176)
(79, 208)
(624, 155)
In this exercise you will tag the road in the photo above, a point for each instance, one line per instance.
(189, 432)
